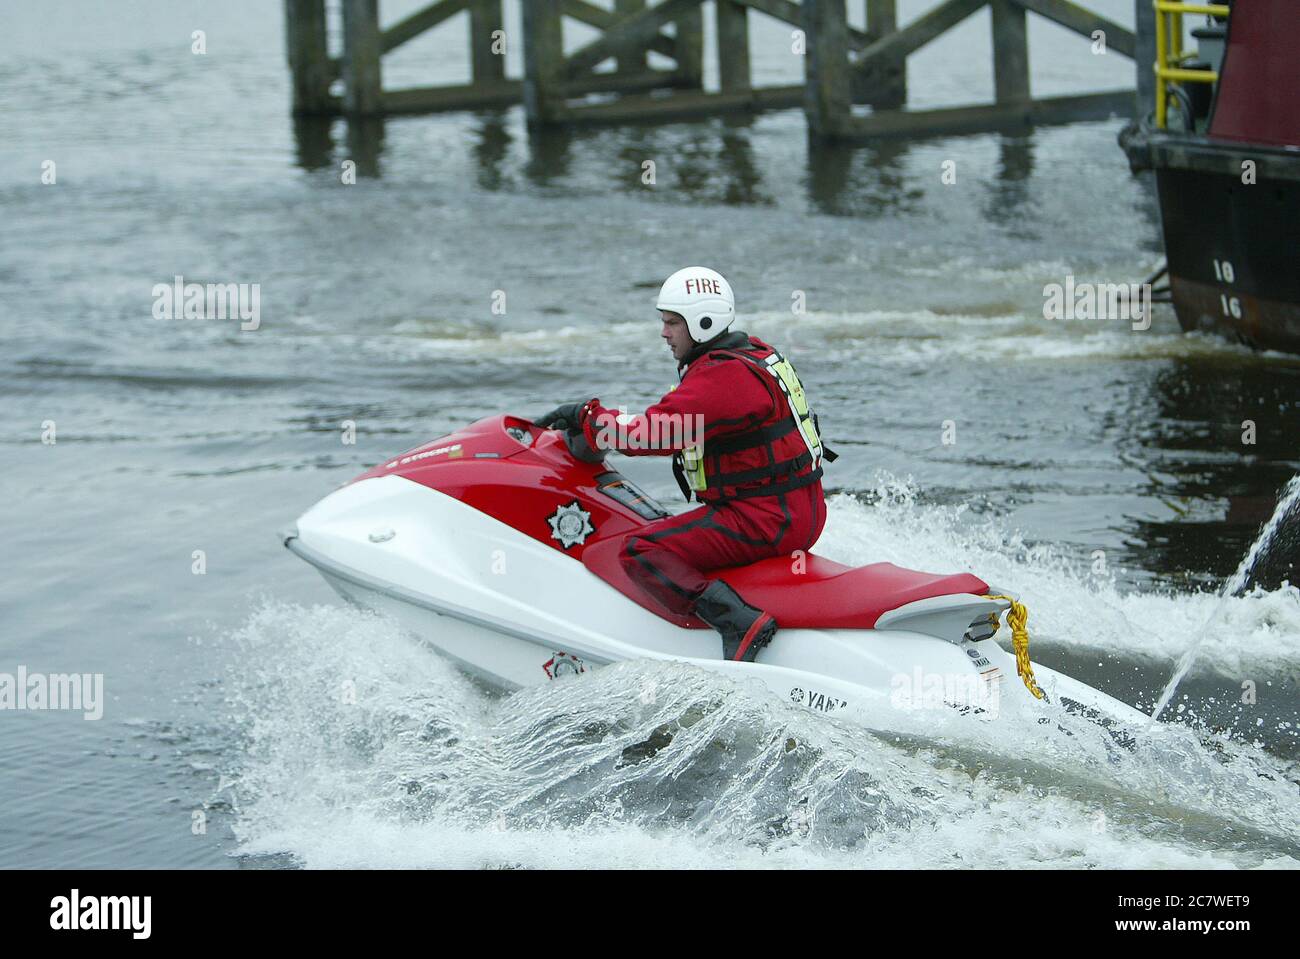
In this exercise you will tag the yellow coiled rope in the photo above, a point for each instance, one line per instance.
(1017, 617)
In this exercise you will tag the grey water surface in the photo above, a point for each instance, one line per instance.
(1099, 470)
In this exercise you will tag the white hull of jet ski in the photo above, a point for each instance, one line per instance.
(517, 612)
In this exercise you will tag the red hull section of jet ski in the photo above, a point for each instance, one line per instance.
(521, 482)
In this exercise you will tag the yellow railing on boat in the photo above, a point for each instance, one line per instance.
(1169, 49)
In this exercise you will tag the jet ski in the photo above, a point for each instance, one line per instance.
(498, 545)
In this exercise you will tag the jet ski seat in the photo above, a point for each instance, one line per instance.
(824, 595)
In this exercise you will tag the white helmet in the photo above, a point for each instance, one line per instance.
(702, 297)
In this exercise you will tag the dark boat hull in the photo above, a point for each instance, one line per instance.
(1233, 247)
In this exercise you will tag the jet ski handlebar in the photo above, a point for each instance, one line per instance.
(579, 448)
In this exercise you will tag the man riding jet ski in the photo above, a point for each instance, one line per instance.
(744, 443)
(511, 548)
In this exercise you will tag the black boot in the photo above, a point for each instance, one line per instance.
(745, 630)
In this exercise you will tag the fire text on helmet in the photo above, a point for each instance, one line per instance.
(703, 285)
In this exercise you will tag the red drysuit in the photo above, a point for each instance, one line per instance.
(764, 496)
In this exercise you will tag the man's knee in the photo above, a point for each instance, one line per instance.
(633, 548)
(638, 550)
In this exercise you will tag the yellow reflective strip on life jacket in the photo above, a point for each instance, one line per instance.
(693, 467)
(783, 370)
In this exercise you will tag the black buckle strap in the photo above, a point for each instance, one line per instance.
(763, 472)
(768, 433)
(749, 439)
(797, 482)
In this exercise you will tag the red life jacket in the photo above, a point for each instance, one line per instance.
(767, 459)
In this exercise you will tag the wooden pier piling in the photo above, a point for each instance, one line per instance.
(309, 65)
(827, 96)
(1010, 52)
(1144, 54)
(543, 60)
(487, 66)
(362, 48)
(884, 86)
(733, 46)
(629, 61)
(688, 48)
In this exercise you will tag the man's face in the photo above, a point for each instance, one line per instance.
(676, 334)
